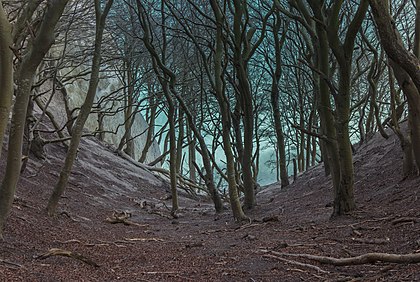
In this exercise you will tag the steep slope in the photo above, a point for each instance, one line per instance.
(200, 245)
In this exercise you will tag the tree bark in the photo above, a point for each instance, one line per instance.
(6, 73)
(150, 131)
(284, 177)
(128, 113)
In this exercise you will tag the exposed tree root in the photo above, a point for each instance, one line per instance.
(122, 217)
(357, 260)
(65, 253)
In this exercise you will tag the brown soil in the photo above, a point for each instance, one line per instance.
(201, 245)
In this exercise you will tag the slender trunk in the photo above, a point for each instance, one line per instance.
(128, 114)
(209, 179)
(173, 151)
(150, 131)
(246, 101)
(327, 119)
(167, 81)
(101, 129)
(191, 155)
(180, 140)
(237, 211)
(27, 135)
(281, 148)
(84, 111)
(237, 131)
(309, 140)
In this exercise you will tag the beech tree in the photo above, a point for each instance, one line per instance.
(279, 31)
(24, 77)
(405, 64)
(233, 78)
(222, 100)
(61, 185)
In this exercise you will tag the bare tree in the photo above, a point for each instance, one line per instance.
(84, 111)
(404, 63)
(24, 77)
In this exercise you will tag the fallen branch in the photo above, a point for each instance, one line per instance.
(71, 241)
(122, 217)
(357, 260)
(161, 214)
(10, 263)
(296, 263)
(65, 253)
(143, 239)
(405, 220)
(371, 241)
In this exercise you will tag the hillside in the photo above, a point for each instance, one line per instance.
(201, 245)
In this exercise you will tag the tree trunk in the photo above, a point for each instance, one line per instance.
(6, 73)
(327, 119)
(77, 130)
(191, 155)
(150, 131)
(344, 197)
(128, 113)
(343, 52)
(405, 142)
(167, 81)
(243, 48)
(237, 211)
(408, 75)
(24, 80)
(281, 148)
(209, 179)
(180, 140)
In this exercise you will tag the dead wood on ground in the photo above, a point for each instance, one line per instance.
(357, 260)
(371, 241)
(405, 220)
(65, 253)
(10, 263)
(122, 217)
(296, 263)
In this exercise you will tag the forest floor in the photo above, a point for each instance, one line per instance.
(201, 245)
